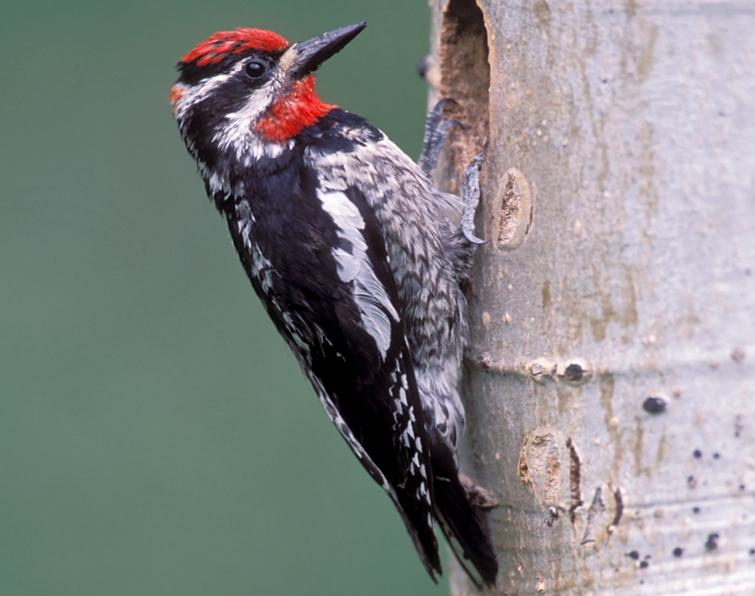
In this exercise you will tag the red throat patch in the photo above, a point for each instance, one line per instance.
(216, 47)
(290, 114)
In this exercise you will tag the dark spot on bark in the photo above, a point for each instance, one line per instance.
(678, 551)
(711, 543)
(691, 481)
(654, 405)
(644, 564)
(552, 516)
(752, 552)
(697, 454)
(716, 455)
(634, 555)
(574, 372)
(742, 487)
(695, 510)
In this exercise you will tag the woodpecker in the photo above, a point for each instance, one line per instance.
(358, 260)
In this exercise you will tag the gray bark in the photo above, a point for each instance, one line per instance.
(611, 373)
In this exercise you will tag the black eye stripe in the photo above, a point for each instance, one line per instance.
(190, 73)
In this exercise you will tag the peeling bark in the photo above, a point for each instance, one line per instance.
(610, 381)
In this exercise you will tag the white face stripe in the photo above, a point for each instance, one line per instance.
(236, 132)
(368, 292)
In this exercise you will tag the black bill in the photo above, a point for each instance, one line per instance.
(313, 52)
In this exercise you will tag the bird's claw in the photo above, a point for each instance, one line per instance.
(471, 197)
(471, 238)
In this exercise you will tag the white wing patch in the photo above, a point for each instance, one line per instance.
(355, 269)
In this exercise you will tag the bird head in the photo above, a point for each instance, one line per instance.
(250, 85)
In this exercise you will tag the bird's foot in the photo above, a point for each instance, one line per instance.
(436, 133)
(479, 497)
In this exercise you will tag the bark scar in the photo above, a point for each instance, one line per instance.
(594, 512)
(619, 508)
(575, 480)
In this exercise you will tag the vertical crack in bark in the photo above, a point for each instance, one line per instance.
(619, 499)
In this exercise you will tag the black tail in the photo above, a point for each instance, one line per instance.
(464, 529)
(424, 541)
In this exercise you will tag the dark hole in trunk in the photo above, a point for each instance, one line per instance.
(465, 78)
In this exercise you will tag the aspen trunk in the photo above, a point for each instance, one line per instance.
(610, 377)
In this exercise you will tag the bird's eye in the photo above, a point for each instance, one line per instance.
(255, 69)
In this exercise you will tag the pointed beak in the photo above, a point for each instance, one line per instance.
(308, 55)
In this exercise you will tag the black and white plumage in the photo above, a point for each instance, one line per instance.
(357, 259)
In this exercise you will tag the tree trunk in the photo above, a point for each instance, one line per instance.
(609, 382)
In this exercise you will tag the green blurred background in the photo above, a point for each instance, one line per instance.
(156, 437)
